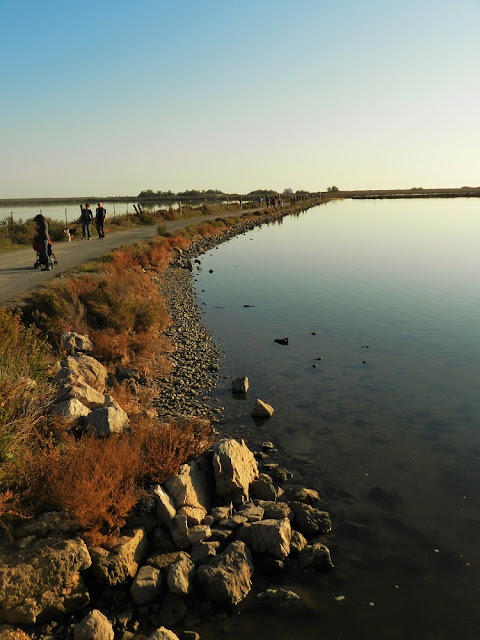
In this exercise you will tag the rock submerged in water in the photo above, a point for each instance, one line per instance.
(261, 410)
(240, 386)
(283, 341)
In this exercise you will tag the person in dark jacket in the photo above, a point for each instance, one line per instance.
(87, 217)
(100, 215)
(43, 240)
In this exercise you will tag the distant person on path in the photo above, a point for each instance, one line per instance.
(87, 217)
(41, 241)
(100, 215)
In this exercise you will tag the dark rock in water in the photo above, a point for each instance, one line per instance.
(364, 361)
(316, 557)
(248, 306)
(283, 341)
(313, 333)
(210, 271)
(385, 499)
(310, 521)
(281, 600)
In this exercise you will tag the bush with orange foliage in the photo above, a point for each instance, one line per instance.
(165, 446)
(97, 481)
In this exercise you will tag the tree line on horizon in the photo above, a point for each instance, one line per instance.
(148, 194)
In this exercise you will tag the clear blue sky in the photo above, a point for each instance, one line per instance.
(110, 97)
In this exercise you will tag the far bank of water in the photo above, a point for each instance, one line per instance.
(386, 426)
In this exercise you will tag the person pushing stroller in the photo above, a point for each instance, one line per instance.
(41, 242)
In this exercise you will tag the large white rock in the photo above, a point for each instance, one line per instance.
(271, 537)
(121, 563)
(94, 626)
(235, 468)
(71, 409)
(82, 391)
(180, 576)
(227, 579)
(189, 487)
(108, 420)
(83, 367)
(146, 585)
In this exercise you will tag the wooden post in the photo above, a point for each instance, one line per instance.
(66, 219)
(114, 217)
(13, 228)
(180, 207)
(241, 202)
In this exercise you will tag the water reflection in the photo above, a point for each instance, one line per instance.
(388, 434)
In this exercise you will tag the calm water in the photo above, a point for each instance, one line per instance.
(72, 212)
(402, 278)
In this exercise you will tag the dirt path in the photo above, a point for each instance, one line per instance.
(17, 275)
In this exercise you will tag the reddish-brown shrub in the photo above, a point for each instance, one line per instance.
(97, 481)
(166, 446)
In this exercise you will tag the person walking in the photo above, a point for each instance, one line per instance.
(42, 240)
(87, 217)
(100, 216)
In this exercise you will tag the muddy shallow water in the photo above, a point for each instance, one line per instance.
(385, 425)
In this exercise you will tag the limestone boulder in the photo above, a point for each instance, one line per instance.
(71, 409)
(179, 532)
(261, 410)
(190, 487)
(235, 468)
(310, 521)
(94, 626)
(180, 576)
(252, 512)
(297, 543)
(263, 488)
(116, 566)
(43, 579)
(315, 556)
(275, 510)
(82, 391)
(272, 537)
(74, 342)
(146, 585)
(227, 579)
(203, 552)
(240, 386)
(164, 505)
(108, 420)
(81, 366)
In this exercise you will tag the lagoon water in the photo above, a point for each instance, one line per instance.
(386, 426)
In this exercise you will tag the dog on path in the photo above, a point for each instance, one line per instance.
(70, 233)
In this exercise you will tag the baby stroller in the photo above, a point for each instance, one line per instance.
(51, 255)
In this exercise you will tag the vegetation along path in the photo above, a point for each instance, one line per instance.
(17, 274)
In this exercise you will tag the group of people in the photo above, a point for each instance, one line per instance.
(87, 219)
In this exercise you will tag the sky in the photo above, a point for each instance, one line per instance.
(111, 97)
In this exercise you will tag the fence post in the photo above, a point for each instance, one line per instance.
(114, 217)
(13, 228)
(66, 219)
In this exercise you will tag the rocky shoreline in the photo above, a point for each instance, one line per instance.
(221, 531)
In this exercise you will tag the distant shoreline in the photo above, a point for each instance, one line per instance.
(462, 192)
